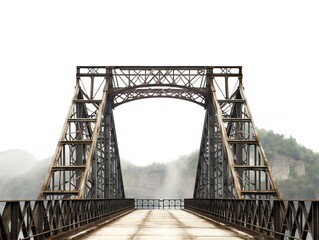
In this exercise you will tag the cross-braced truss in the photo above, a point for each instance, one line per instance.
(86, 163)
(231, 164)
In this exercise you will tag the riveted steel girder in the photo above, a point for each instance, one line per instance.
(129, 95)
(86, 163)
(231, 164)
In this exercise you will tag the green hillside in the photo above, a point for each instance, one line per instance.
(295, 187)
(176, 179)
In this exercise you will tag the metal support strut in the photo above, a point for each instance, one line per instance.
(231, 163)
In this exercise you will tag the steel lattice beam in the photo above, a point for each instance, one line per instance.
(121, 97)
(87, 163)
(231, 164)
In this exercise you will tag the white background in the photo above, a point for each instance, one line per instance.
(42, 42)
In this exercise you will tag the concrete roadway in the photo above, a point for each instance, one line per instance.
(161, 224)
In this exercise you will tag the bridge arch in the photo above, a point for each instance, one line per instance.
(231, 163)
(134, 83)
(137, 93)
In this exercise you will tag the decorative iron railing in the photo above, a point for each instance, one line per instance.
(159, 203)
(273, 219)
(41, 219)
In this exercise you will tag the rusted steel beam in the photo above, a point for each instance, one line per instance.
(68, 168)
(82, 120)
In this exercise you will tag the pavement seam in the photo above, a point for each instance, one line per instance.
(182, 224)
(142, 223)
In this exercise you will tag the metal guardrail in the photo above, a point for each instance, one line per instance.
(41, 219)
(159, 203)
(274, 219)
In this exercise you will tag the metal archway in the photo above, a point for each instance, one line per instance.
(231, 163)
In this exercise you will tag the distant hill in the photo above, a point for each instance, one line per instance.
(295, 167)
(171, 180)
(27, 185)
(15, 162)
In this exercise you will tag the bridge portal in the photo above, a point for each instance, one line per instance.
(231, 162)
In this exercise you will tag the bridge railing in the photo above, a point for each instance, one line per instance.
(41, 219)
(271, 218)
(159, 203)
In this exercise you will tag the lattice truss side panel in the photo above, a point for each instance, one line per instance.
(133, 83)
(86, 163)
(232, 163)
(212, 171)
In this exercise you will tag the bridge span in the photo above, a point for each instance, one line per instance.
(234, 184)
(60, 219)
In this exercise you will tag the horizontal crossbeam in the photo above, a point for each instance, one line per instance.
(124, 96)
(232, 163)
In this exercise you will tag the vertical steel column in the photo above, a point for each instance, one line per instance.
(113, 185)
(278, 218)
(107, 168)
(94, 178)
(15, 209)
(315, 219)
(202, 178)
(239, 134)
(78, 155)
(211, 146)
(113, 181)
(212, 176)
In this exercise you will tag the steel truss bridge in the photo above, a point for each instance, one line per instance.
(233, 184)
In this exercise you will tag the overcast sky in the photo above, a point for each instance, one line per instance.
(42, 42)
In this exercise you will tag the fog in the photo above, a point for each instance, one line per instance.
(175, 179)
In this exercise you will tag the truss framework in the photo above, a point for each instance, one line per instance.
(86, 163)
(231, 163)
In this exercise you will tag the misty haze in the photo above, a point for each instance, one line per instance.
(295, 167)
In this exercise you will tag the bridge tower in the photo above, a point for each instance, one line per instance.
(231, 163)
(86, 163)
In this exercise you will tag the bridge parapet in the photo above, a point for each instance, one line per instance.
(273, 219)
(40, 219)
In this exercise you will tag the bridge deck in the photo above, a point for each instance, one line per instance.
(161, 224)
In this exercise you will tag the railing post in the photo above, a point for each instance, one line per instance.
(277, 217)
(315, 219)
(14, 223)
